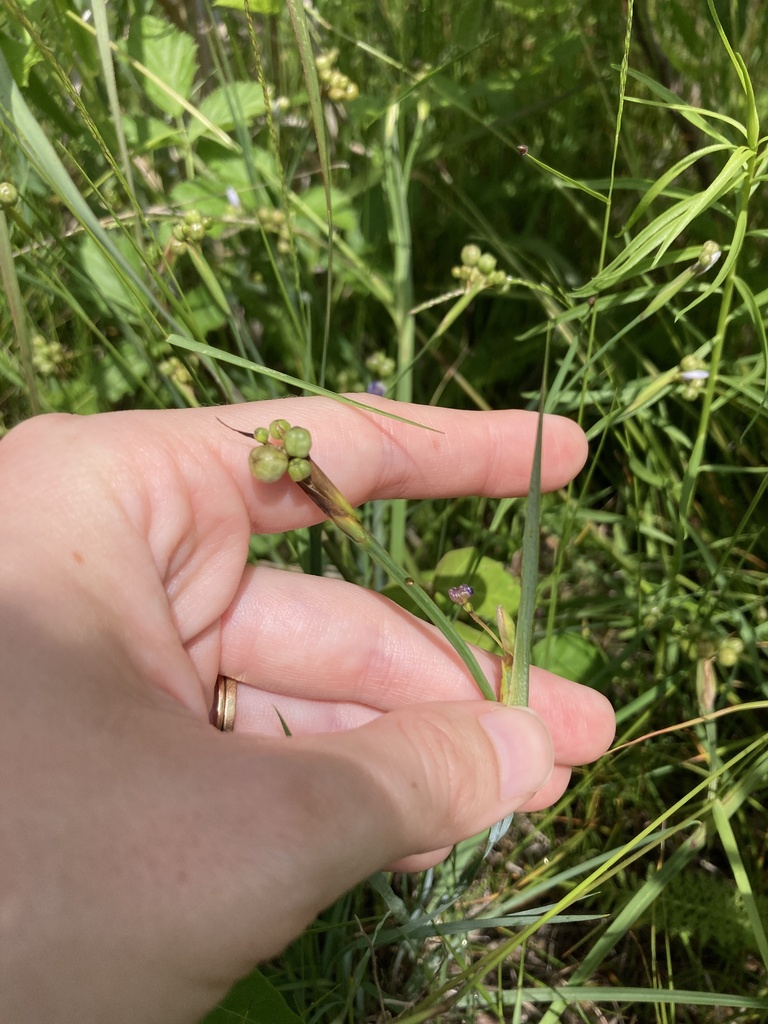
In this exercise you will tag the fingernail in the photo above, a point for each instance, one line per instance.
(524, 749)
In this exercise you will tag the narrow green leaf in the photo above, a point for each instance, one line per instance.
(660, 185)
(696, 115)
(662, 232)
(521, 666)
(731, 847)
(108, 72)
(300, 24)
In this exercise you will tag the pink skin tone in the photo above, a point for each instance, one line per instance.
(141, 845)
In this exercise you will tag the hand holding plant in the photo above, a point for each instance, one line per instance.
(120, 610)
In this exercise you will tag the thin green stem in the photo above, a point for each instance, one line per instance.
(396, 192)
(332, 502)
(11, 288)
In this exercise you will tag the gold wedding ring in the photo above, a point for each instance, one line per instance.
(224, 703)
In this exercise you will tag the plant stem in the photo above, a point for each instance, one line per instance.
(332, 502)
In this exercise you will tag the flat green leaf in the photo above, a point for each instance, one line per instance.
(112, 291)
(569, 655)
(493, 584)
(169, 54)
(229, 105)
(254, 1000)
(21, 57)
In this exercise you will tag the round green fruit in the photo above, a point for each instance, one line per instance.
(268, 464)
(297, 441)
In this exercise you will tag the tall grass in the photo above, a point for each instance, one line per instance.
(250, 202)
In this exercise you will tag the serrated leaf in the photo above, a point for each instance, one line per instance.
(169, 54)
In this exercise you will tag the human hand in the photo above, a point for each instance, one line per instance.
(143, 848)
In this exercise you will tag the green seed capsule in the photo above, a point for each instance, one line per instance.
(297, 441)
(277, 429)
(268, 464)
(261, 434)
(192, 216)
(299, 469)
(195, 231)
(486, 264)
(8, 193)
(470, 254)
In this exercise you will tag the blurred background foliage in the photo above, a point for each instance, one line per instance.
(165, 241)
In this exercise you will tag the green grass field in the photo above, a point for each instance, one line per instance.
(220, 204)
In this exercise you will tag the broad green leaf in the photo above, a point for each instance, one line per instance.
(569, 655)
(229, 105)
(168, 54)
(254, 1000)
(21, 57)
(145, 134)
(493, 584)
(110, 289)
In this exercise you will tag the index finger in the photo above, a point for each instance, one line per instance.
(368, 455)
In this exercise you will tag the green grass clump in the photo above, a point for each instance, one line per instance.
(277, 205)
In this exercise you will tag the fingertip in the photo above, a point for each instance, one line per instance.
(572, 447)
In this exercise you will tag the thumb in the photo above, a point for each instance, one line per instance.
(415, 780)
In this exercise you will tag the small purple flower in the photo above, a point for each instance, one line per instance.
(461, 595)
(694, 374)
(233, 198)
(377, 387)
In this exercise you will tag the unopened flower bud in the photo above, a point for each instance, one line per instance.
(461, 595)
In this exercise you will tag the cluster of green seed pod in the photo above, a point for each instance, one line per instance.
(703, 645)
(478, 268)
(282, 449)
(176, 371)
(8, 193)
(341, 88)
(191, 228)
(729, 651)
(47, 356)
(276, 222)
(381, 365)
